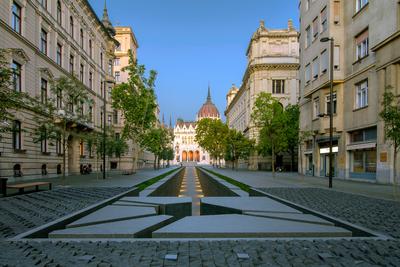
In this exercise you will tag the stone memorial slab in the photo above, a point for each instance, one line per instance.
(178, 207)
(229, 205)
(307, 218)
(134, 228)
(244, 226)
(113, 213)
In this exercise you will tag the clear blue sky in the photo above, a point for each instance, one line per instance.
(193, 42)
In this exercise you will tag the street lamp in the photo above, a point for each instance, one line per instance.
(331, 40)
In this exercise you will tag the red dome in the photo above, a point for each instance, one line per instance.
(208, 110)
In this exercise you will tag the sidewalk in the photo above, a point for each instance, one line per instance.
(262, 179)
(112, 180)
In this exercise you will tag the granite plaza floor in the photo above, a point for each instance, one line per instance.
(378, 214)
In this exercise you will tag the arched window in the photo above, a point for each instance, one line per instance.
(71, 26)
(59, 171)
(44, 169)
(59, 12)
(17, 135)
(17, 170)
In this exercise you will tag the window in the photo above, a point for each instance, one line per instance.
(59, 99)
(101, 119)
(81, 72)
(308, 36)
(315, 68)
(59, 55)
(110, 67)
(360, 4)
(118, 48)
(58, 146)
(81, 148)
(71, 64)
(307, 5)
(336, 59)
(278, 86)
(316, 107)
(362, 94)
(71, 26)
(117, 76)
(117, 62)
(43, 142)
(307, 72)
(43, 3)
(16, 17)
(16, 76)
(324, 20)
(81, 37)
(43, 91)
(90, 114)
(324, 61)
(17, 142)
(364, 135)
(109, 119)
(43, 42)
(91, 80)
(328, 104)
(315, 27)
(101, 60)
(362, 45)
(364, 161)
(59, 12)
(90, 48)
(336, 12)
(117, 136)
(115, 116)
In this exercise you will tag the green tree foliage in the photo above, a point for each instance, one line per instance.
(157, 140)
(211, 135)
(292, 118)
(137, 101)
(237, 147)
(10, 100)
(391, 117)
(268, 116)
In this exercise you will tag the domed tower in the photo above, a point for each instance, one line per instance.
(208, 110)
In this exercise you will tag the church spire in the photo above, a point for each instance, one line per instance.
(209, 94)
(106, 20)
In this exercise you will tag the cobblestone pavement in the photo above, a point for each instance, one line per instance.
(202, 253)
(24, 212)
(376, 214)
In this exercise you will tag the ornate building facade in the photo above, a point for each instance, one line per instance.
(185, 146)
(365, 63)
(45, 40)
(273, 62)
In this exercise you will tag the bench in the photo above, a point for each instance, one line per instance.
(21, 187)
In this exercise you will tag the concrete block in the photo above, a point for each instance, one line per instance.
(134, 228)
(307, 218)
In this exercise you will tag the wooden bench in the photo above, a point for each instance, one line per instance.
(21, 187)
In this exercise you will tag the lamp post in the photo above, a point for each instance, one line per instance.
(104, 128)
(332, 41)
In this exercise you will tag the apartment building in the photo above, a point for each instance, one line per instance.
(364, 34)
(273, 62)
(45, 40)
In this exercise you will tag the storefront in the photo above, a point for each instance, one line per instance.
(362, 154)
(324, 159)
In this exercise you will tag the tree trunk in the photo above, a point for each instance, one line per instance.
(394, 165)
(155, 162)
(273, 161)
(292, 160)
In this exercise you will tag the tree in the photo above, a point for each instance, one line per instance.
(62, 115)
(10, 100)
(211, 135)
(292, 121)
(119, 148)
(391, 117)
(156, 140)
(137, 101)
(303, 136)
(268, 117)
(237, 146)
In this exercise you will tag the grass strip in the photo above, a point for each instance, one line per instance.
(154, 180)
(242, 186)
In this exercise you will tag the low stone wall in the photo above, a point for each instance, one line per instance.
(213, 186)
(169, 186)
